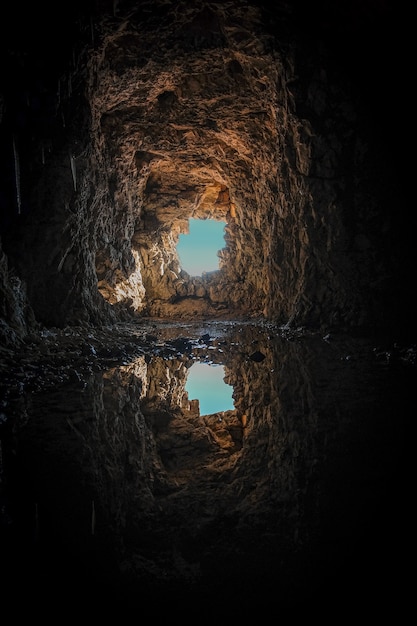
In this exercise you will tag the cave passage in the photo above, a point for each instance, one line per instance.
(205, 383)
(197, 250)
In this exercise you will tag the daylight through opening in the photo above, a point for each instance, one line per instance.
(205, 383)
(198, 249)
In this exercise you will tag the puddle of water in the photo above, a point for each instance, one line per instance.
(109, 480)
(205, 383)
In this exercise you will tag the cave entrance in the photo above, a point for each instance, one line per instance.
(205, 383)
(198, 249)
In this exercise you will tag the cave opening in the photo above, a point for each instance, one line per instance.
(206, 383)
(198, 248)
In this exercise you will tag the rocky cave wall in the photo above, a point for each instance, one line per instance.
(209, 110)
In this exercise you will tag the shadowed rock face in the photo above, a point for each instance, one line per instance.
(165, 111)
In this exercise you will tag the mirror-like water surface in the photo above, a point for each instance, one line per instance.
(205, 383)
(115, 487)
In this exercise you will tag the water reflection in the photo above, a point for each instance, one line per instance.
(117, 481)
(205, 384)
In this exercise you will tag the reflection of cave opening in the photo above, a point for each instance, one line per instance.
(198, 249)
(205, 383)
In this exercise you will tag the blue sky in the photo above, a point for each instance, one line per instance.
(197, 250)
(205, 383)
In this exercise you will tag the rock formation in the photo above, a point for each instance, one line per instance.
(146, 114)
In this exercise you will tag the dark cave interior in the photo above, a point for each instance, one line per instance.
(119, 122)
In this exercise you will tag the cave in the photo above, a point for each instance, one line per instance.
(120, 122)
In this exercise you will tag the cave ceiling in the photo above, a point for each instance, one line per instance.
(190, 124)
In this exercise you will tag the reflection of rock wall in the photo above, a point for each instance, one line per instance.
(85, 463)
(180, 497)
(186, 441)
(121, 452)
(275, 400)
(166, 384)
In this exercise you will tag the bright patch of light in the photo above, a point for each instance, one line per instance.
(205, 383)
(198, 250)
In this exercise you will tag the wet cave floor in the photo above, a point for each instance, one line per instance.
(117, 495)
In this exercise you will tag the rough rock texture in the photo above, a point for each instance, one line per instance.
(154, 112)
